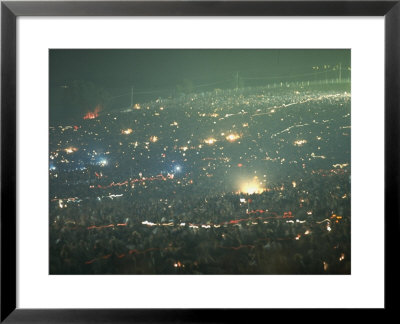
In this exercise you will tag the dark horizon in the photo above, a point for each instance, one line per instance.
(109, 74)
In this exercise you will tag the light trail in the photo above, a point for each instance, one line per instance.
(127, 182)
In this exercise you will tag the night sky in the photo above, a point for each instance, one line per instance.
(107, 76)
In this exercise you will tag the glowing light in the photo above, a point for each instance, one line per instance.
(341, 166)
(136, 106)
(210, 141)
(299, 142)
(294, 184)
(127, 131)
(148, 223)
(70, 150)
(240, 165)
(232, 137)
(341, 257)
(103, 162)
(178, 264)
(168, 224)
(318, 156)
(94, 114)
(153, 139)
(251, 187)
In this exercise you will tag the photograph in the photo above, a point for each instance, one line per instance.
(199, 161)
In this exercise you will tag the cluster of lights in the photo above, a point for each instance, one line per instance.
(153, 139)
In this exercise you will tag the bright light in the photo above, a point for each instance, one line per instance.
(103, 162)
(178, 168)
(232, 137)
(153, 139)
(148, 223)
(299, 142)
(70, 150)
(178, 264)
(127, 131)
(210, 141)
(94, 114)
(251, 187)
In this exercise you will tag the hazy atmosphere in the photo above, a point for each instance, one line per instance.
(188, 162)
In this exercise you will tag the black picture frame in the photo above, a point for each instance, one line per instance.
(10, 10)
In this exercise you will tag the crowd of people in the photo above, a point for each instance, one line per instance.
(146, 191)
